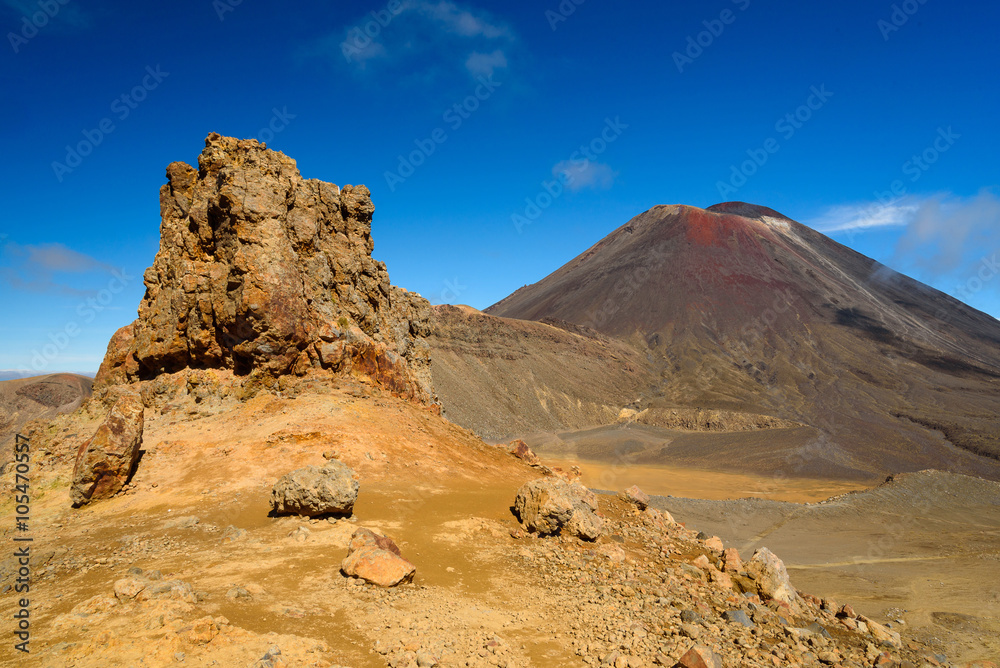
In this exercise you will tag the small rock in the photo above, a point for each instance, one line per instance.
(636, 496)
(700, 657)
(738, 617)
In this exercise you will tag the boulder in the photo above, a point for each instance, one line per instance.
(700, 657)
(376, 559)
(104, 463)
(636, 496)
(731, 562)
(771, 577)
(314, 490)
(520, 449)
(549, 505)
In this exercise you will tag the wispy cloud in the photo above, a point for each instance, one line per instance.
(583, 174)
(31, 268)
(485, 64)
(946, 231)
(865, 216)
(420, 32)
(939, 235)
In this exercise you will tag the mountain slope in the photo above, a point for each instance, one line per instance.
(741, 308)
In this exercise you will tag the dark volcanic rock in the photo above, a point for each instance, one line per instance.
(263, 273)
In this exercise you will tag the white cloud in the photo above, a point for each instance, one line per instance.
(462, 21)
(581, 174)
(865, 216)
(946, 230)
(484, 64)
(940, 233)
(442, 32)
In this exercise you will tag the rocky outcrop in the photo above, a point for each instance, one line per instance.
(549, 505)
(376, 559)
(263, 273)
(104, 463)
(313, 490)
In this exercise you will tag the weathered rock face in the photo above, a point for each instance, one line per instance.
(550, 505)
(376, 559)
(262, 272)
(315, 490)
(104, 463)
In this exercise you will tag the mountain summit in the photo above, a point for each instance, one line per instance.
(741, 308)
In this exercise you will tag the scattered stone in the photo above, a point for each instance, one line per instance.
(520, 449)
(715, 544)
(690, 631)
(548, 505)
(636, 496)
(376, 559)
(738, 617)
(314, 490)
(772, 578)
(731, 562)
(700, 657)
(104, 464)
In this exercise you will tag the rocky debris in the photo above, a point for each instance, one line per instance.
(263, 274)
(104, 464)
(139, 588)
(700, 657)
(520, 449)
(314, 490)
(376, 559)
(637, 497)
(549, 505)
(715, 544)
(771, 577)
(731, 562)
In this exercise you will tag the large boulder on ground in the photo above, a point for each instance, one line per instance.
(771, 577)
(314, 490)
(104, 463)
(376, 559)
(549, 505)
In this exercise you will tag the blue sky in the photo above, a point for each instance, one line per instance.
(499, 139)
